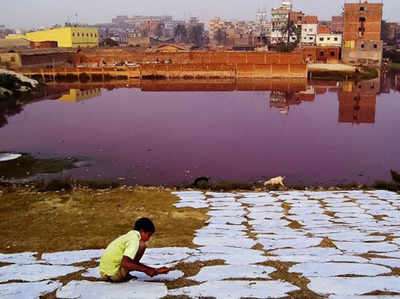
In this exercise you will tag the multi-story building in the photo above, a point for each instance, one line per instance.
(217, 25)
(279, 20)
(329, 40)
(362, 20)
(309, 30)
(362, 33)
(66, 37)
(337, 24)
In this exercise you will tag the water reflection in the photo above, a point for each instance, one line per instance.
(357, 102)
(166, 132)
(78, 95)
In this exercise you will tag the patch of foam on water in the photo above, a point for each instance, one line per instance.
(192, 204)
(167, 256)
(218, 195)
(171, 276)
(394, 263)
(28, 289)
(318, 251)
(365, 297)
(318, 259)
(231, 255)
(237, 241)
(236, 289)
(362, 247)
(335, 269)
(214, 273)
(305, 242)
(92, 272)
(349, 286)
(71, 257)
(133, 289)
(34, 272)
(19, 258)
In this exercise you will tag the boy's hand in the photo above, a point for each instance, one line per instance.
(151, 272)
(164, 270)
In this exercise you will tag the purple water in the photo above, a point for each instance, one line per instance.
(156, 138)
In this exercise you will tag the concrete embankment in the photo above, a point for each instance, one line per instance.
(186, 65)
(172, 71)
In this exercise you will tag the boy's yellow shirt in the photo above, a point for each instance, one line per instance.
(127, 245)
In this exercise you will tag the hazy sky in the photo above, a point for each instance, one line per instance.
(35, 13)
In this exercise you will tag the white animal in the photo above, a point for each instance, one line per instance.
(275, 181)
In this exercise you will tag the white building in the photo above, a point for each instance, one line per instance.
(309, 34)
(329, 40)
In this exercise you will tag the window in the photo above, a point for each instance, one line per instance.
(321, 39)
(333, 53)
(73, 34)
(310, 38)
(362, 8)
(12, 59)
(336, 39)
(78, 33)
(87, 34)
(328, 38)
(362, 46)
(321, 53)
(362, 19)
(375, 46)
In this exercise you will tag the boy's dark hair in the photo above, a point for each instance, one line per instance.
(144, 224)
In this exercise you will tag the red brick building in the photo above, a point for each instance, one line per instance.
(337, 25)
(362, 21)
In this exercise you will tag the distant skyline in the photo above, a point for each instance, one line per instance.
(26, 14)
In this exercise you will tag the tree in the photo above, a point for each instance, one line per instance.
(385, 32)
(109, 42)
(220, 36)
(159, 31)
(291, 30)
(180, 33)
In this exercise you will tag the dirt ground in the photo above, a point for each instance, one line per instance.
(90, 219)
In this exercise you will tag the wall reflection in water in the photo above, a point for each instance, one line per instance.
(357, 100)
(79, 95)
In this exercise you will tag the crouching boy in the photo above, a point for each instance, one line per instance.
(124, 253)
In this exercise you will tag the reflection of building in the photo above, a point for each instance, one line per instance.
(78, 95)
(357, 101)
(282, 100)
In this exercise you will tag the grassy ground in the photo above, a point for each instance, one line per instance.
(395, 66)
(363, 74)
(86, 219)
